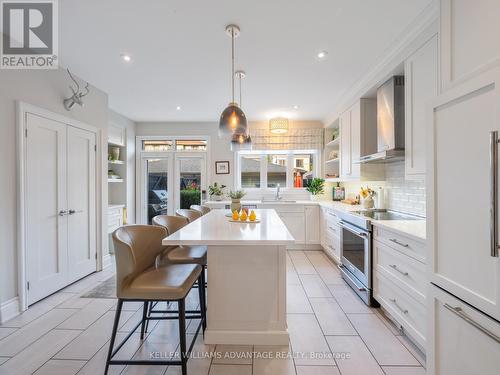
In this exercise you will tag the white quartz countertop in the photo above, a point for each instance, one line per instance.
(412, 228)
(215, 228)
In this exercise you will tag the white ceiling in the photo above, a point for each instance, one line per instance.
(181, 54)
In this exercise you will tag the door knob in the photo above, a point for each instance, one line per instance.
(63, 213)
(72, 212)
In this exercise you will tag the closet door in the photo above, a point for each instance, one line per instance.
(46, 210)
(81, 193)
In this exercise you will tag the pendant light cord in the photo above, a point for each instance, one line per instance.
(232, 61)
(241, 100)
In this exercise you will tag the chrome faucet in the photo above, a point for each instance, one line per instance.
(278, 195)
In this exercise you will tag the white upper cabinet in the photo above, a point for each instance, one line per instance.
(116, 135)
(469, 38)
(358, 137)
(421, 86)
(460, 228)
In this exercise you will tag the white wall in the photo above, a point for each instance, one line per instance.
(45, 89)
(219, 149)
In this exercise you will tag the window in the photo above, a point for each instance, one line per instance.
(156, 146)
(250, 171)
(276, 170)
(192, 145)
(267, 169)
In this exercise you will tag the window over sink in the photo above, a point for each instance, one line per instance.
(266, 169)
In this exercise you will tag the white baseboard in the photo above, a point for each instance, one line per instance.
(9, 309)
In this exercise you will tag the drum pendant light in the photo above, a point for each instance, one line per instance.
(233, 121)
(241, 141)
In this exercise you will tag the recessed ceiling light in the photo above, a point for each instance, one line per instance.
(321, 55)
(126, 57)
(178, 108)
(295, 107)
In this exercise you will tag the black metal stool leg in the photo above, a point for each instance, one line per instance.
(148, 313)
(182, 335)
(113, 334)
(144, 316)
(202, 297)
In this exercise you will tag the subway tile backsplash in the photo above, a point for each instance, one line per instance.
(403, 195)
(400, 194)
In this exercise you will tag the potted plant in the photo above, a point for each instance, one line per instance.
(316, 187)
(236, 196)
(216, 191)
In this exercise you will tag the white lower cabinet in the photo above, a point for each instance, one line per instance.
(115, 217)
(311, 217)
(462, 340)
(399, 281)
(330, 233)
(295, 224)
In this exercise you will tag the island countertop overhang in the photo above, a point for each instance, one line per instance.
(215, 229)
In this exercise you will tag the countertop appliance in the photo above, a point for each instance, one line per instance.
(356, 248)
(390, 122)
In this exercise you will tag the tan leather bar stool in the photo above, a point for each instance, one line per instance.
(191, 215)
(178, 254)
(201, 209)
(137, 279)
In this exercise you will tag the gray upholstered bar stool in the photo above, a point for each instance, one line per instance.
(201, 209)
(137, 279)
(191, 215)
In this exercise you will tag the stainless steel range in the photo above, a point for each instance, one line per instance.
(356, 248)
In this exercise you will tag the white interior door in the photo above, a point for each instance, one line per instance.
(156, 187)
(190, 178)
(81, 185)
(46, 219)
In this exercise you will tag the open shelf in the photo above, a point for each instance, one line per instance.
(119, 162)
(115, 179)
(335, 142)
(336, 160)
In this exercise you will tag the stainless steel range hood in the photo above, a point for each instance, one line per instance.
(390, 123)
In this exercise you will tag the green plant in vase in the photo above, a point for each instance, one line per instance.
(236, 196)
(216, 191)
(316, 187)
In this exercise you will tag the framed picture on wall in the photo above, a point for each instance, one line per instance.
(222, 167)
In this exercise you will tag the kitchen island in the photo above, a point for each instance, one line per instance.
(246, 303)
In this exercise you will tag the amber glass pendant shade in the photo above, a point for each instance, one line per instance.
(233, 122)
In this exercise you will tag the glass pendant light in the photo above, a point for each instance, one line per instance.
(241, 141)
(232, 120)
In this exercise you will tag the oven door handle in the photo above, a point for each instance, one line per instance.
(352, 229)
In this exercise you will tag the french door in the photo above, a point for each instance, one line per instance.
(60, 205)
(168, 181)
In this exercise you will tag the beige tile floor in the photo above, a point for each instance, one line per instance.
(331, 332)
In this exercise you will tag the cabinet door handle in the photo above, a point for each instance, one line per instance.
(332, 228)
(395, 302)
(395, 267)
(494, 193)
(460, 313)
(398, 243)
(62, 213)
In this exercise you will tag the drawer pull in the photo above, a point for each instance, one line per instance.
(460, 313)
(395, 302)
(331, 214)
(398, 243)
(395, 267)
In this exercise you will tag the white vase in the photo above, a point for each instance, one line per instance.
(235, 205)
(368, 202)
